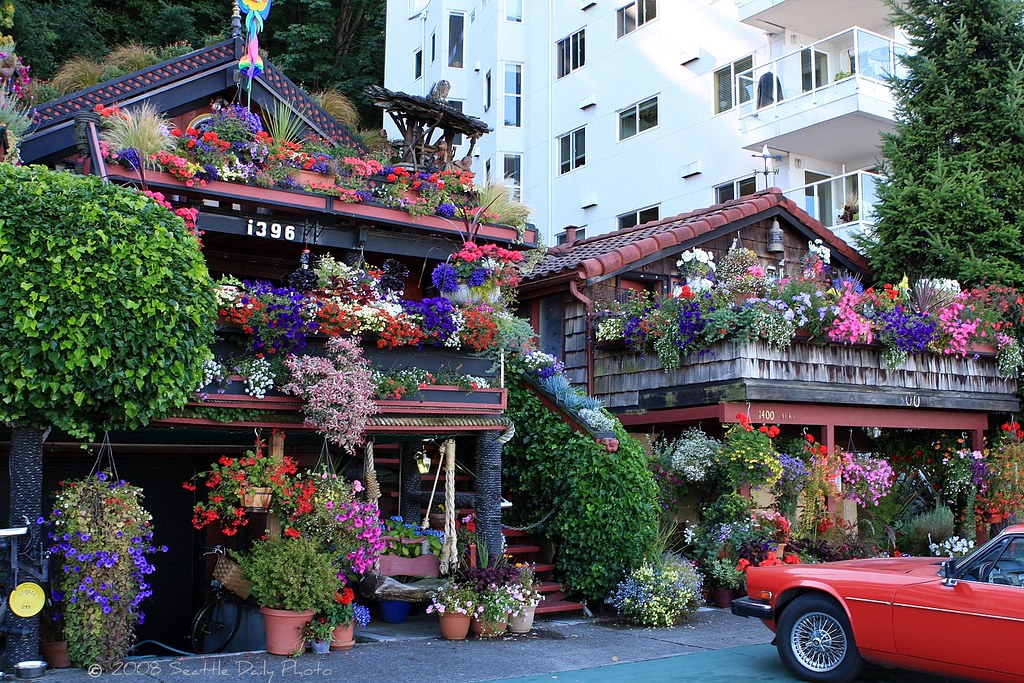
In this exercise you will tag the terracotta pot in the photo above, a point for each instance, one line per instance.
(485, 628)
(283, 629)
(522, 622)
(437, 520)
(320, 647)
(55, 654)
(780, 550)
(257, 499)
(314, 179)
(472, 554)
(454, 626)
(722, 596)
(344, 637)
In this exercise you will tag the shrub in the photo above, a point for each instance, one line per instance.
(928, 527)
(664, 593)
(605, 504)
(291, 573)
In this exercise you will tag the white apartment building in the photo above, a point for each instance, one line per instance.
(609, 113)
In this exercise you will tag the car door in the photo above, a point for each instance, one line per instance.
(974, 623)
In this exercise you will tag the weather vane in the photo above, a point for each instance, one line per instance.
(770, 167)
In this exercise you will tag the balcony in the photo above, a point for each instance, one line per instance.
(845, 204)
(815, 17)
(828, 100)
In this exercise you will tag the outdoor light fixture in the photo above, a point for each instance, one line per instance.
(770, 169)
(422, 460)
(775, 244)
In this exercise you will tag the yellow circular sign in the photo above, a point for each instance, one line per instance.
(27, 599)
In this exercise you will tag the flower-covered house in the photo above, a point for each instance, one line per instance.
(323, 251)
(751, 311)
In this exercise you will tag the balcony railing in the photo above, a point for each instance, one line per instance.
(845, 203)
(804, 74)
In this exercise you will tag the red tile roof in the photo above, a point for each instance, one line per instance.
(605, 254)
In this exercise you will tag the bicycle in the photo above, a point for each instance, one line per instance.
(216, 623)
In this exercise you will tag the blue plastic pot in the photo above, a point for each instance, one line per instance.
(394, 611)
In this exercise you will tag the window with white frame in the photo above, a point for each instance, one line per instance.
(572, 150)
(514, 95)
(456, 35)
(735, 188)
(487, 90)
(634, 15)
(433, 46)
(458, 139)
(417, 67)
(514, 10)
(638, 118)
(513, 174)
(572, 53)
(730, 91)
(639, 217)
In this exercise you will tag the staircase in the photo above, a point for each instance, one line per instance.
(523, 548)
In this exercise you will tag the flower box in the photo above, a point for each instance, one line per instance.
(427, 566)
(447, 399)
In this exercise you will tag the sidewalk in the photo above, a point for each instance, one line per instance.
(713, 646)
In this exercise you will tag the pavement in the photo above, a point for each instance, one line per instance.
(713, 646)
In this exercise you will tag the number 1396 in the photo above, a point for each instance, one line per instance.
(272, 230)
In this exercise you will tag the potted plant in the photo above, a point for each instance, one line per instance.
(476, 274)
(525, 592)
(725, 579)
(748, 454)
(661, 593)
(291, 580)
(409, 550)
(53, 645)
(454, 603)
(318, 632)
(102, 537)
(236, 486)
(344, 614)
(494, 583)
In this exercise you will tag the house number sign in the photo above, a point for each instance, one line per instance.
(275, 231)
(771, 415)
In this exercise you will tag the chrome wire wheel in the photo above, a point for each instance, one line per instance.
(819, 642)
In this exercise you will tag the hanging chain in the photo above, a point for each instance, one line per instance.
(530, 526)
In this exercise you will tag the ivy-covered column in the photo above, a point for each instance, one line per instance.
(488, 492)
(412, 486)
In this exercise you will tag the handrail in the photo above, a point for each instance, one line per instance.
(840, 200)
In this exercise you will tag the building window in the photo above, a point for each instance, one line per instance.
(734, 189)
(639, 217)
(418, 64)
(514, 95)
(513, 174)
(551, 326)
(514, 10)
(572, 53)
(730, 90)
(458, 139)
(456, 31)
(635, 14)
(487, 90)
(572, 150)
(433, 46)
(487, 171)
(638, 118)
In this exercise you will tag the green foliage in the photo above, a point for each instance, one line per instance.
(928, 527)
(951, 204)
(291, 573)
(663, 593)
(108, 306)
(605, 504)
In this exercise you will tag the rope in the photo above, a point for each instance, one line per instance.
(450, 550)
(370, 474)
(437, 476)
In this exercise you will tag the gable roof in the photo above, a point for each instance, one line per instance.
(605, 255)
(175, 86)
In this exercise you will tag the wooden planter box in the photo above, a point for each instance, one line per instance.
(426, 566)
(447, 399)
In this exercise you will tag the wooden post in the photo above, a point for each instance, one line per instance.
(277, 455)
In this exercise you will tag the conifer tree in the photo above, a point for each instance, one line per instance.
(952, 204)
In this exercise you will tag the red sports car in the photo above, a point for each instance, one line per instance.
(962, 618)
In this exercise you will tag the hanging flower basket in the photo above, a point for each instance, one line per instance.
(257, 499)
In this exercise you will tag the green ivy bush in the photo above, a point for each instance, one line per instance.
(605, 516)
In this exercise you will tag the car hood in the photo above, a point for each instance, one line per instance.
(920, 566)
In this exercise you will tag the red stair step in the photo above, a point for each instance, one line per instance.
(521, 549)
(387, 461)
(509, 532)
(541, 568)
(549, 586)
(559, 606)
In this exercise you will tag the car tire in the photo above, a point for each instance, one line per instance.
(815, 641)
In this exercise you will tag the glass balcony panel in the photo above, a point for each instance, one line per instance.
(844, 203)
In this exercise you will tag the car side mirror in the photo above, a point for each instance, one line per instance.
(948, 572)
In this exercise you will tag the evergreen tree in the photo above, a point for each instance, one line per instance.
(952, 202)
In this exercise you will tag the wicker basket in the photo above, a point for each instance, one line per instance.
(231, 577)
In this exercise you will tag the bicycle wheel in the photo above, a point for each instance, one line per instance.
(216, 624)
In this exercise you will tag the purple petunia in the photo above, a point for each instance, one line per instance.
(445, 278)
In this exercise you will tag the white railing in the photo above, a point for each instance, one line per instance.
(855, 52)
(842, 201)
